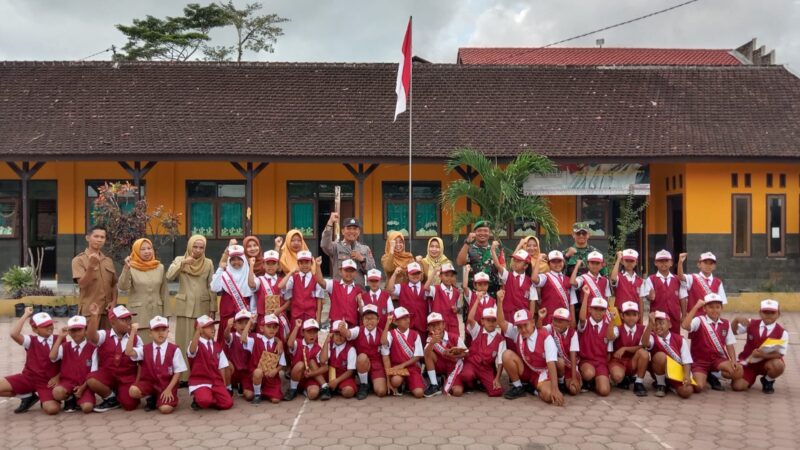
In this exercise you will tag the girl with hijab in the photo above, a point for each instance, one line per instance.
(289, 247)
(434, 259)
(236, 282)
(395, 256)
(195, 298)
(531, 245)
(144, 279)
(252, 248)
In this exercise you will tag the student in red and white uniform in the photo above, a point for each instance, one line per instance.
(367, 341)
(301, 289)
(445, 297)
(484, 361)
(160, 367)
(236, 282)
(480, 294)
(628, 285)
(268, 286)
(267, 385)
(593, 337)
(556, 288)
(207, 364)
(78, 358)
(663, 344)
(40, 373)
(239, 351)
(712, 344)
(629, 359)
(308, 372)
(343, 294)
(700, 284)
(566, 340)
(598, 284)
(340, 357)
(374, 295)
(757, 361)
(666, 292)
(412, 296)
(116, 371)
(402, 349)
(441, 353)
(537, 358)
(520, 290)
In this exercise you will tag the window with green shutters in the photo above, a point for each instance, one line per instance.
(216, 208)
(426, 212)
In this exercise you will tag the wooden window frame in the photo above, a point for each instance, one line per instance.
(412, 232)
(749, 251)
(314, 201)
(606, 225)
(16, 202)
(782, 252)
(215, 207)
(89, 200)
(734, 180)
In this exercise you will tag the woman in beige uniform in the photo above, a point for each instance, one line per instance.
(144, 279)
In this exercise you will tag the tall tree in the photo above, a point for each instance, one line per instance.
(254, 32)
(501, 198)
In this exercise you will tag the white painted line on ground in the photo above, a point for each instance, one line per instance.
(296, 421)
(650, 433)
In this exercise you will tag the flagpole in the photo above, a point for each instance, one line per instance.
(410, 132)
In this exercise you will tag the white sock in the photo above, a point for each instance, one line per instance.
(560, 380)
(324, 386)
(661, 380)
(257, 389)
(516, 383)
(363, 378)
(769, 378)
(639, 380)
(432, 377)
(293, 384)
(25, 395)
(717, 374)
(230, 388)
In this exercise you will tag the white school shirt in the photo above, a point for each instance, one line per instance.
(550, 349)
(628, 330)
(533, 294)
(688, 279)
(574, 344)
(642, 291)
(417, 344)
(223, 360)
(476, 330)
(356, 331)
(72, 346)
(178, 364)
(307, 278)
(730, 339)
(573, 298)
(607, 293)
(269, 342)
(329, 285)
(648, 285)
(446, 341)
(686, 354)
(447, 290)
(26, 341)
(374, 296)
(293, 346)
(102, 334)
(351, 355)
(246, 345)
(741, 329)
(411, 285)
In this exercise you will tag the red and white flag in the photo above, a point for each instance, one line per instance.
(403, 86)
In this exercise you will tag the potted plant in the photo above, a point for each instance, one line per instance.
(16, 278)
(19, 309)
(60, 307)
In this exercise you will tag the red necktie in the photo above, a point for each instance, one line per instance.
(597, 329)
(374, 299)
(715, 327)
(414, 288)
(77, 349)
(370, 339)
(763, 332)
(208, 345)
(630, 334)
(158, 356)
(119, 343)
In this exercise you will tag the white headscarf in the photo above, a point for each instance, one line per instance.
(239, 276)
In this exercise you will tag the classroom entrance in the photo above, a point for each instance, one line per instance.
(676, 240)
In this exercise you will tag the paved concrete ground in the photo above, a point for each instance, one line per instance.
(709, 420)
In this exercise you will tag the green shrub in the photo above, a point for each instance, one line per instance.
(17, 278)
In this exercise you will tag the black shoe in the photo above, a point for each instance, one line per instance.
(363, 391)
(639, 390)
(195, 406)
(529, 388)
(230, 391)
(240, 390)
(26, 403)
(625, 383)
(70, 404)
(256, 399)
(432, 390)
(325, 394)
(183, 384)
(562, 387)
(514, 392)
(767, 387)
(713, 381)
(107, 405)
(150, 403)
(661, 390)
(291, 394)
(585, 387)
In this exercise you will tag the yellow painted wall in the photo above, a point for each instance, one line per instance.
(660, 176)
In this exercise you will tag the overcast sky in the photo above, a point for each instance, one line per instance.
(372, 30)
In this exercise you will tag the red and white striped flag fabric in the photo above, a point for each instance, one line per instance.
(403, 86)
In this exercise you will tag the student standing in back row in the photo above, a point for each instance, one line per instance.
(700, 284)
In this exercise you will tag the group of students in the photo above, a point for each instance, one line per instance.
(552, 333)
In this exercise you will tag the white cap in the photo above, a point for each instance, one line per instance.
(235, 250)
(598, 302)
(271, 255)
(707, 255)
(271, 318)
(413, 268)
(400, 312)
(335, 325)
(120, 312)
(349, 264)
(305, 255)
(555, 254)
(522, 316)
(630, 253)
(77, 322)
(595, 257)
(661, 315)
(159, 322)
(204, 321)
(243, 314)
(712, 297)
(769, 305)
(561, 313)
(41, 319)
(369, 308)
(435, 317)
(662, 255)
(521, 255)
(447, 267)
(310, 324)
(630, 306)
(490, 313)
(374, 274)
(481, 277)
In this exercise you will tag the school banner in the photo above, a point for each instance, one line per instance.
(591, 179)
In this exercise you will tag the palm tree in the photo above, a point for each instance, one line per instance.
(501, 198)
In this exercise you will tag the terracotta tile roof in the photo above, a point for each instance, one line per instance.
(306, 111)
(597, 56)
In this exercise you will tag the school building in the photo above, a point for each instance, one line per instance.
(259, 147)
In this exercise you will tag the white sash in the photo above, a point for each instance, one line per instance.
(451, 378)
(589, 281)
(714, 338)
(233, 290)
(559, 288)
(670, 351)
(401, 340)
(702, 282)
(522, 345)
(268, 287)
(560, 347)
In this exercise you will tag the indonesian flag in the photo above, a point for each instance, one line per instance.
(404, 74)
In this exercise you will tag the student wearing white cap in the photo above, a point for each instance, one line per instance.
(484, 361)
(566, 340)
(412, 296)
(664, 345)
(555, 286)
(301, 289)
(367, 341)
(665, 291)
(343, 294)
(520, 291)
(266, 374)
(239, 350)
(764, 348)
(593, 278)
(236, 282)
(445, 296)
(308, 371)
(628, 286)
(481, 283)
(441, 352)
(207, 362)
(401, 351)
(269, 299)
(593, 337)
(34, 383)
(78, 358)
(700, 284)
(340, 357)
(629, 359)
(374, 295)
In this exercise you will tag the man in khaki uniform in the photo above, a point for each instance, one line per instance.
(347, 248)
(95, 275)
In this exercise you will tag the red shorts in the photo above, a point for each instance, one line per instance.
(121, 386)
(533, 377)
(600, 367)
(305, 383)
(706, 366)
(752, 371)
(86, 397)
(376, 370)
(350, 382)
(626, 363)
(271, 387)
(443, 366)
(148, 388)
(22, 384)
(567, 372)
(472, 372)
(414, 379)
(245, 377)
